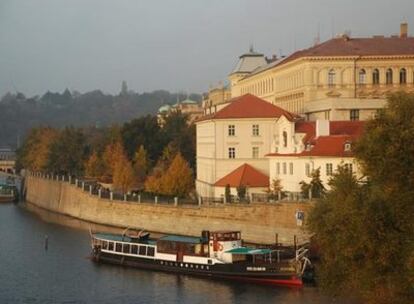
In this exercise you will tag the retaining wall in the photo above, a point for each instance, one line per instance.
(258, 222)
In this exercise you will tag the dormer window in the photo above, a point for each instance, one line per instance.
(347, 147)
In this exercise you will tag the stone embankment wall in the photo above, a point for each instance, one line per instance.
(258, 222)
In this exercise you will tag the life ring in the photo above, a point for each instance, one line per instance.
(220, 247)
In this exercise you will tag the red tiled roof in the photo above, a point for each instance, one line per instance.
(341, 132)
(250, 106)
(375, 46)
(244, 175)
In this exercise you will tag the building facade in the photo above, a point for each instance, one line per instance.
(341, 79)
(301, 147)
(240, 133)
(188, 107)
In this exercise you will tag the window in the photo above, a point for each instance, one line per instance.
(403, 76)
(111, 246)
(284, 168)
(354, 114)
(125, 248)
(255, 152)
(362, 77)
(376, 77)
(328, 169)
(118, 247)
(134, 249)
(278, 168)
(151, 251)
(347, 146)
(388, 77)
(232, 130)
(142, 250)
(291, 168)
(232, 152)
(307, 169)
(348, 168)
(331, 78)
(255, 130)
(327, 115)
(284, 139)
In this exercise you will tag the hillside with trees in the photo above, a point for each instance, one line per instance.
(19, 114)
(137, 156)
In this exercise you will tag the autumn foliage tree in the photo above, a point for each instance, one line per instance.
(176, 181)
(141, 167)
(94, 166)
(123, 174)
(34, 154)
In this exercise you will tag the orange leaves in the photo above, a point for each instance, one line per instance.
(176, 181)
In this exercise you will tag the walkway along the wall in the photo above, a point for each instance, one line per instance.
(258, 222)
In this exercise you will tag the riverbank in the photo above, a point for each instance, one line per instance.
(258, 222)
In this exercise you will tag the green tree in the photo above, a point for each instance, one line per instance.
(274, 189)
(241, 192)
(68, 152)
(365, 230)
(227, 193)
(315, 186)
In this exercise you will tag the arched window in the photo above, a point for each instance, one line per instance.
(388, 77)
(375, 77)
(284, 139)
(362, 77)
(331, 78)
(403, 76)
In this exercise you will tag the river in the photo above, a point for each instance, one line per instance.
(64, 273)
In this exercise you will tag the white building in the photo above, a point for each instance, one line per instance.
(304, 146)
(240, 133)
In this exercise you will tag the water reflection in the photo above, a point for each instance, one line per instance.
(64, 273)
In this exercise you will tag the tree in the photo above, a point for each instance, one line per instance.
(113, 152)
(123, 174)
(94, 166)
(178, 180)
(274, 189)
(68, 152)
(315, 186)
(227, 193)
(241, 192)
(141, 167)
(365, 228)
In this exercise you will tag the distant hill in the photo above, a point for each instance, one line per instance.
(19, 113)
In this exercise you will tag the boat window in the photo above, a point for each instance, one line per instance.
(126, 248)
(210, 261)
(151, 251)
(118, 247)
(143, 250)
(104, 245)
(111, 246)
(134, 249)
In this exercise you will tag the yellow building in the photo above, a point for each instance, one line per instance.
(343, 78)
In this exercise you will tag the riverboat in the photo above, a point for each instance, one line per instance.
(216, 254)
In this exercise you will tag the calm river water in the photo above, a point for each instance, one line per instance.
(64, 274)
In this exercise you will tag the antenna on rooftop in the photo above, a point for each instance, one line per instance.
(318, 35)
(251, 49)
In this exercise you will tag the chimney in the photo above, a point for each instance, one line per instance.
(404, 30)
(322, 128)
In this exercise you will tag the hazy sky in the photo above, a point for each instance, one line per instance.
(169, 44)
